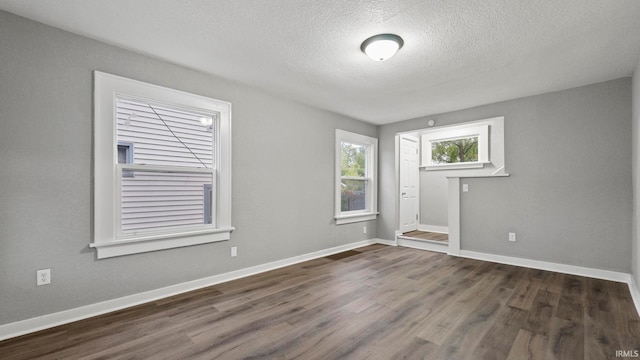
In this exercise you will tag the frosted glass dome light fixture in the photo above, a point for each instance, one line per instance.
(381, 47)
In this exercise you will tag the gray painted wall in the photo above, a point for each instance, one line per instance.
(283, 166)
(434, 185)
(433, 198)
(569, 194)
(635, 242)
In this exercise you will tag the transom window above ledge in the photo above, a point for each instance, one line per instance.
(463, 147)
(162, 168)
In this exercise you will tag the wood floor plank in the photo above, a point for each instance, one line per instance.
(511, 276)
(528, 346)
(463, 342)
(552, 282)
(625, 321)
(542, 310)
(601, 340)
(566, 340)
(378, 302)
(414, 348)
(570, 305)
(498, 340)
(464, 302)
(525, 292)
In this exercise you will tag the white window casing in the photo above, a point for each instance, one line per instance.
(370, 178)
(112, 237)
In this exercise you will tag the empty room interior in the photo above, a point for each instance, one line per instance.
(319, 179)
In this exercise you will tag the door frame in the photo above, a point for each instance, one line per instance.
(415, 138)
(453, 202)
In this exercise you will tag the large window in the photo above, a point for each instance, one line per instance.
(356, 182)
(174, 189)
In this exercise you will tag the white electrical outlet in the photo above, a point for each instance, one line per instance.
(364, 230)
(43, 277)
(234, 251)
(512, 236)
(465, 187)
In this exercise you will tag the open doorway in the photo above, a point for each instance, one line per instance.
(430, 163)
(414, 188)
(409, 183)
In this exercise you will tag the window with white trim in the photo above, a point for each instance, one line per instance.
(175, 189)
(356, 177)
(464, 147)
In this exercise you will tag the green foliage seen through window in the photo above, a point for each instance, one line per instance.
(353, 164)
(455, 151)
(353, 160)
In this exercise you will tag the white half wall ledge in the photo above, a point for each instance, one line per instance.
(43, 322)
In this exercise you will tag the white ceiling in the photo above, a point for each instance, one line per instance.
(457, 53)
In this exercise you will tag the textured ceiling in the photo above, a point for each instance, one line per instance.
(457, 53)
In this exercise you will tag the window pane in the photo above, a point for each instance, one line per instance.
(208, 202)
(353, 159)
(157, 200)
(165, 136)
(123, 154)
(354, 194)
(455, 151)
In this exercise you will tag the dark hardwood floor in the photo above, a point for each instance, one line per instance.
(376, 302)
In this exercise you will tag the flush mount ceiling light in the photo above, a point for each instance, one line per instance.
(381, 47)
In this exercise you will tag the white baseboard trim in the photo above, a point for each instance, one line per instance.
(27, 326)
(635, 292)
(387, 242)
(562, 268)
(543, 265)
(433, 228)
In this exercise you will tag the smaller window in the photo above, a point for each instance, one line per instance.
(354, 180)
(356, 161)
(461, 148)
(455, 151)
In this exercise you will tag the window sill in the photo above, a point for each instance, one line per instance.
(352, 218)
(140, 245)
(474, 165)
(477, 176)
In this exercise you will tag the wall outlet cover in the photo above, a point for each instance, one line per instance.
(43, 277)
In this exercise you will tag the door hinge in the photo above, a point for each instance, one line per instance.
(416, 216)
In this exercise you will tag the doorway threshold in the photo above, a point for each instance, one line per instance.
(424, 240)
(426, 236)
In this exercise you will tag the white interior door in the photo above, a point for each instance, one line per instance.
(409, 178)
